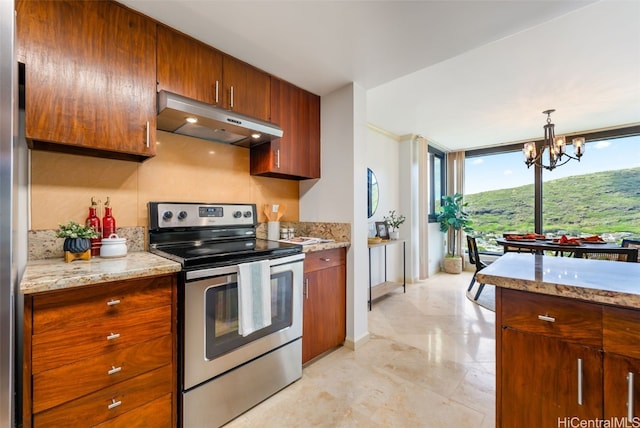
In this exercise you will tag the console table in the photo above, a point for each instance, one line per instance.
(382, 288)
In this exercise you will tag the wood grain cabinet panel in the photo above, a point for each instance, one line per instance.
(551, 316)
(109, 362)
(108, 403)
(297, 154)
(580, 361)
(189, 67)
(247, 90)
(195, 70)
(324, 321)
(90, 82)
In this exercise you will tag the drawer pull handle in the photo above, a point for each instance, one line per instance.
(580, 381)
(113, 336)
(113, 302)
(114, 404)
(306, 288)
(630, 396)
(114, 370)
(325, 259)
(546, 318)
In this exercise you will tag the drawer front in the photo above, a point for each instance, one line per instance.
(65, 309)
(620, 331)
(71, 381)
(552, 316)
(109, 403)
(156, 414)
(324, 259)
(65, 346)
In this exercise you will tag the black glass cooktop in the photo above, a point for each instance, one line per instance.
(214, 253)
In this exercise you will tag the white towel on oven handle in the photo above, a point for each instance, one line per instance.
(254, 296)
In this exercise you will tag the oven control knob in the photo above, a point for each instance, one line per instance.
(237, 214)
(248, 214)
(167, 215)
(182, 215)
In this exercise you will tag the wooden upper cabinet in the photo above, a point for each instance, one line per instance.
(246, 89)
(297, 154)
(189, 67)
(90, 70)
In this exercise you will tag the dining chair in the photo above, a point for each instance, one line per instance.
(632, 243)
(474, 259)
(620, 254)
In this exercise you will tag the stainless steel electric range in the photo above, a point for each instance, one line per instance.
(239, 308)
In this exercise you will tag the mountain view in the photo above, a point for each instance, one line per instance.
(602, 203)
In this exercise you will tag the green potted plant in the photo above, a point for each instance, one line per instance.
(77, 237)
(393, 222)
(453, 218)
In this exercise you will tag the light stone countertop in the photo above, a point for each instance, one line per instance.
(312, 248)
(55, 274)
(600, 281)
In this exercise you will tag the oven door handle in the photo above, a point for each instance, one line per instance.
(233, 269)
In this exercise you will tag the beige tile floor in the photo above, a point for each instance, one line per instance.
(430, 362)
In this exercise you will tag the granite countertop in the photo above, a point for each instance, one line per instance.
(55, 274)
(312, 248)
(598, 281)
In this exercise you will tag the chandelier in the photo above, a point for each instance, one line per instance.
(555, 146)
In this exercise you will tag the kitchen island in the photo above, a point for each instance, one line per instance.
(567, 348)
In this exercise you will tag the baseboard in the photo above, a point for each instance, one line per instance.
(354, 345)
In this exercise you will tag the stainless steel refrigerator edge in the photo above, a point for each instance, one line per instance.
(13, 217)
(7, 273)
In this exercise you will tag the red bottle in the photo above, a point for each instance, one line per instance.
(108, 222)
(94, 221)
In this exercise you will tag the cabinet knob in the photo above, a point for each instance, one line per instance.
(325, 259)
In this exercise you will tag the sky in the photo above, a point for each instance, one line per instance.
(509, 170)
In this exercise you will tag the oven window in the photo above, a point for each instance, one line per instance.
(221, 308)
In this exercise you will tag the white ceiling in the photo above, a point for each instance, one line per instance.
(464, 74)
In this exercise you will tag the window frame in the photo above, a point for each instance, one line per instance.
(590, 137)
(432, 155)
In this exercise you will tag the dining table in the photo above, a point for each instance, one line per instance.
(539, 246)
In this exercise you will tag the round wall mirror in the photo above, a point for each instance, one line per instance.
(373, 194)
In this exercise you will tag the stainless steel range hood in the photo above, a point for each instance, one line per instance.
(212, 123)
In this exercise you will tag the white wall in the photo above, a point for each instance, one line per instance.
(383, 158)
(340, 195)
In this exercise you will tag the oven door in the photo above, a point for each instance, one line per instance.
(212, 344)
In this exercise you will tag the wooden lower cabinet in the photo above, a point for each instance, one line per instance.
(101, 355)
(562, 361)
(324, 322)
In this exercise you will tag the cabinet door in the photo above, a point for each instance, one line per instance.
(247, 89)
(188, 67)
(620, 388)
(89, 78)
(324, 324)
(540, 381)
(297, 153)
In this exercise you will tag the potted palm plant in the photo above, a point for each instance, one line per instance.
(453, 218)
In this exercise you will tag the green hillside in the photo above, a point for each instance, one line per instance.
(598, 203)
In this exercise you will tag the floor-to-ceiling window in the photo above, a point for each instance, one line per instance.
(598, 195)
